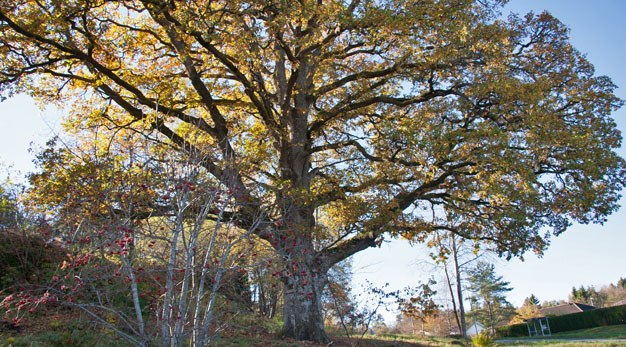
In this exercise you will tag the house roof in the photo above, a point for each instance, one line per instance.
(477, 324)
(620, 303)
(572, 307)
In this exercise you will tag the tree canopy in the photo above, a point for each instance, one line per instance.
(374, 116)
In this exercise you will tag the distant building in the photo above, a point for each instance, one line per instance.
(454, 331)
(619, 303)
(474, 329)
(560, 310)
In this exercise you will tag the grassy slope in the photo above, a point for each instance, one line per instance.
(613, 332)
(606, 332)
(73, 335)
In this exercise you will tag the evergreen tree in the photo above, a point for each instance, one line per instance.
(529, 309)
(489, 291)
(531, 300)
(578, 295)
(590, 296)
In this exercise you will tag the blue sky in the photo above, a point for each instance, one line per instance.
(24, 125)
(588, 255)
(584, 255)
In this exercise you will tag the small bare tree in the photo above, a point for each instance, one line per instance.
(191, 301)
(419, 302)
(152, 233)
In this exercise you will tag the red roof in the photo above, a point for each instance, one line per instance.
(572, 307)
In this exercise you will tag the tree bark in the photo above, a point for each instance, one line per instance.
(302, 307)
(452, 296)
(459, 286)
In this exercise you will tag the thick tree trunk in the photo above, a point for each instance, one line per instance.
(302, 307)
(304, 277)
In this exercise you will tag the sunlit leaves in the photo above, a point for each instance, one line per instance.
(381, 115)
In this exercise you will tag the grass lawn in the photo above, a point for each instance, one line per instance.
(56, 339)
(400, 341)
(613, 332)
(608, 332)
(72, 334)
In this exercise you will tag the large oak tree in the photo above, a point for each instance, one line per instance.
(374, 116)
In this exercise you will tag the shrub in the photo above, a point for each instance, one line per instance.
(515, 330)
(575, 321)
(25, 258)
(590, 319)
(63, 339)
(483, 339)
